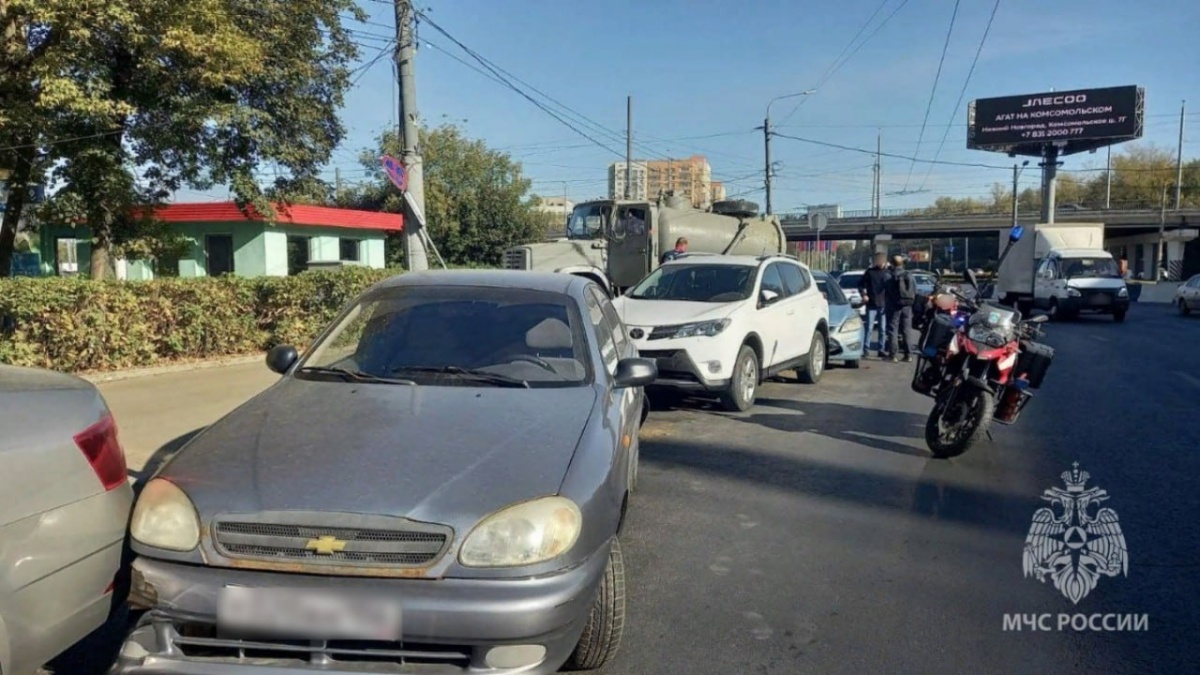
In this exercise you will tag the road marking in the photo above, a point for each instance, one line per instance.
(1097, 337)
(1192, 379)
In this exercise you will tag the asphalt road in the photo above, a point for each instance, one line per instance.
(815, 534)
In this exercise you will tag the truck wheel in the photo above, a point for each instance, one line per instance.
(605, 625)
(1119, 316)
(743, 386)
(818, 358)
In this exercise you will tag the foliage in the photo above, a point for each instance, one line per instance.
(81, 325)
(1140, 174)
(131, 100)
(477, 201)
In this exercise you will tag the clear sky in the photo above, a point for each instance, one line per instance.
(701, 73)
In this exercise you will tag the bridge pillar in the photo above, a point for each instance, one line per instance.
(1174, 260)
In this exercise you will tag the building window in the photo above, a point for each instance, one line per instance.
(349, 249)
(297, 254)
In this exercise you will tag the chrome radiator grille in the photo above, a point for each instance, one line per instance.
(417, 546)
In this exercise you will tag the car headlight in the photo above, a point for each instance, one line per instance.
(698, 329)
(1073, 292)
(1123, 293)
(523, 534)
(165, 518)
(851, 325)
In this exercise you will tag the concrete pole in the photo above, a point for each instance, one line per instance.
(1179, 158)
(767, 158)
(628, 146)
(415, 258)
(1108, 180)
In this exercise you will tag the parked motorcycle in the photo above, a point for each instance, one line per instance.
(979, 362)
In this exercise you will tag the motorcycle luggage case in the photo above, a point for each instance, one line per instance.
(939, 331)
(1033, 362)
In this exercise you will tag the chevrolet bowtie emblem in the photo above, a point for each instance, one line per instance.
(325, 545)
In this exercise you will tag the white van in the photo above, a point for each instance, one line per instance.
(1064, 270)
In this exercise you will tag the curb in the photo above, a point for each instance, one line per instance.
(133, 373)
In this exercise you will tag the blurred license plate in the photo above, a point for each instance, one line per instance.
(312, 614)
(1099, 299)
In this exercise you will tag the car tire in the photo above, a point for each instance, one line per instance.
(815, 362)
(1119, 316)
(1054, 312)
(605, 625)
(1183, 308)
(743, 386)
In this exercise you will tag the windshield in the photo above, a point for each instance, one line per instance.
(697, 283)
(587, 221)
(832, 292)
(456, 336)
(849, 281)
(1076, 268)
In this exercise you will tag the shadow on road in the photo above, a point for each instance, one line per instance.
(940, 493)
(852, 424)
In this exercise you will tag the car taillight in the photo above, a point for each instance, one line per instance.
(103, 451)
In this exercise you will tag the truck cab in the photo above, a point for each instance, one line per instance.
(616, 243)
(1069, 282)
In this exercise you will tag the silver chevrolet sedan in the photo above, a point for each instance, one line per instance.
(64, 506)
(437, 485)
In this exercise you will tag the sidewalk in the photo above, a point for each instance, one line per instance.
(160, 412)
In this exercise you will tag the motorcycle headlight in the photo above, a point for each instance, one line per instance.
(165, 518)
(523, 534)
(1073, 292)
(698, 329)
(1123, 293)
(852, 325)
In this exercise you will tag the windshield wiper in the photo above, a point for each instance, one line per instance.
(467, 373)
(353, 375)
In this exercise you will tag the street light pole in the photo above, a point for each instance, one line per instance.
(767, 141)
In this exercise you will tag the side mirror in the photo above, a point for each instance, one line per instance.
(971, 279)
(1015, 235)
(767, 297)
(635, 372)
(281, 358)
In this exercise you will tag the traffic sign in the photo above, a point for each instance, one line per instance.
(396, 172)
(818, 221)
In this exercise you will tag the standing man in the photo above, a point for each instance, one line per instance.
(901, 295)
(680, 249)
(873, 288)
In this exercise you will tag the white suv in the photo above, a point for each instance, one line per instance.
(722, 324)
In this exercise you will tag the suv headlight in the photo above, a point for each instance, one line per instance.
(1073, 292)
(523, 534)
(698, 329)
(165, 518)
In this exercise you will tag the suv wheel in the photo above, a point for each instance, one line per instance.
(818, 357)
(743, 386)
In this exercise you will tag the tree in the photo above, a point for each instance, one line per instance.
(198, 94)
(477, 201)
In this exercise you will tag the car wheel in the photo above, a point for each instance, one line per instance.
(601, 636)
(1053, 312)
(1119, 316)
(1183, 308)
(818, 358)
(743, 386)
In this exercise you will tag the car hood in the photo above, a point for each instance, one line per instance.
(436, 454)
(1096, 283)
(838, 314)
(648, 313)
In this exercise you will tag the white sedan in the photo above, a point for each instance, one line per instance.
(722, 324)
(1187, 296)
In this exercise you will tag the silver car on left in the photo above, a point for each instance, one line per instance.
(64, 507)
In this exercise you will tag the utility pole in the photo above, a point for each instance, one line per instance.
(1108, 181)
(405, 53)
(876, 197)
(628, 146)
(767, 157)
(1179, 158)
(337, 181)
(1049, 181)
(1162, 227)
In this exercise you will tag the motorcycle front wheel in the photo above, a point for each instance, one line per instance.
(959, 421)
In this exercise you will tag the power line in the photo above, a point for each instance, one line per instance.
(886, 154)
(829, 74)
(963, 92)
(937, 76)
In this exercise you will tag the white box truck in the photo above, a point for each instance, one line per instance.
(1064, 270)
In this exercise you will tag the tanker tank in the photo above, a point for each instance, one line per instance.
(709, 232)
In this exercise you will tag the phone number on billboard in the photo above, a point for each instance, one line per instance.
(1053, 133)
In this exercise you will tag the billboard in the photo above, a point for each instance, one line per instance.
(1076, 121)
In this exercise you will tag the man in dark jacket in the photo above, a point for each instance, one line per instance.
(873, 287)
(901, 294)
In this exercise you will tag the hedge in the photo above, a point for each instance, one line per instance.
(79, 325)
